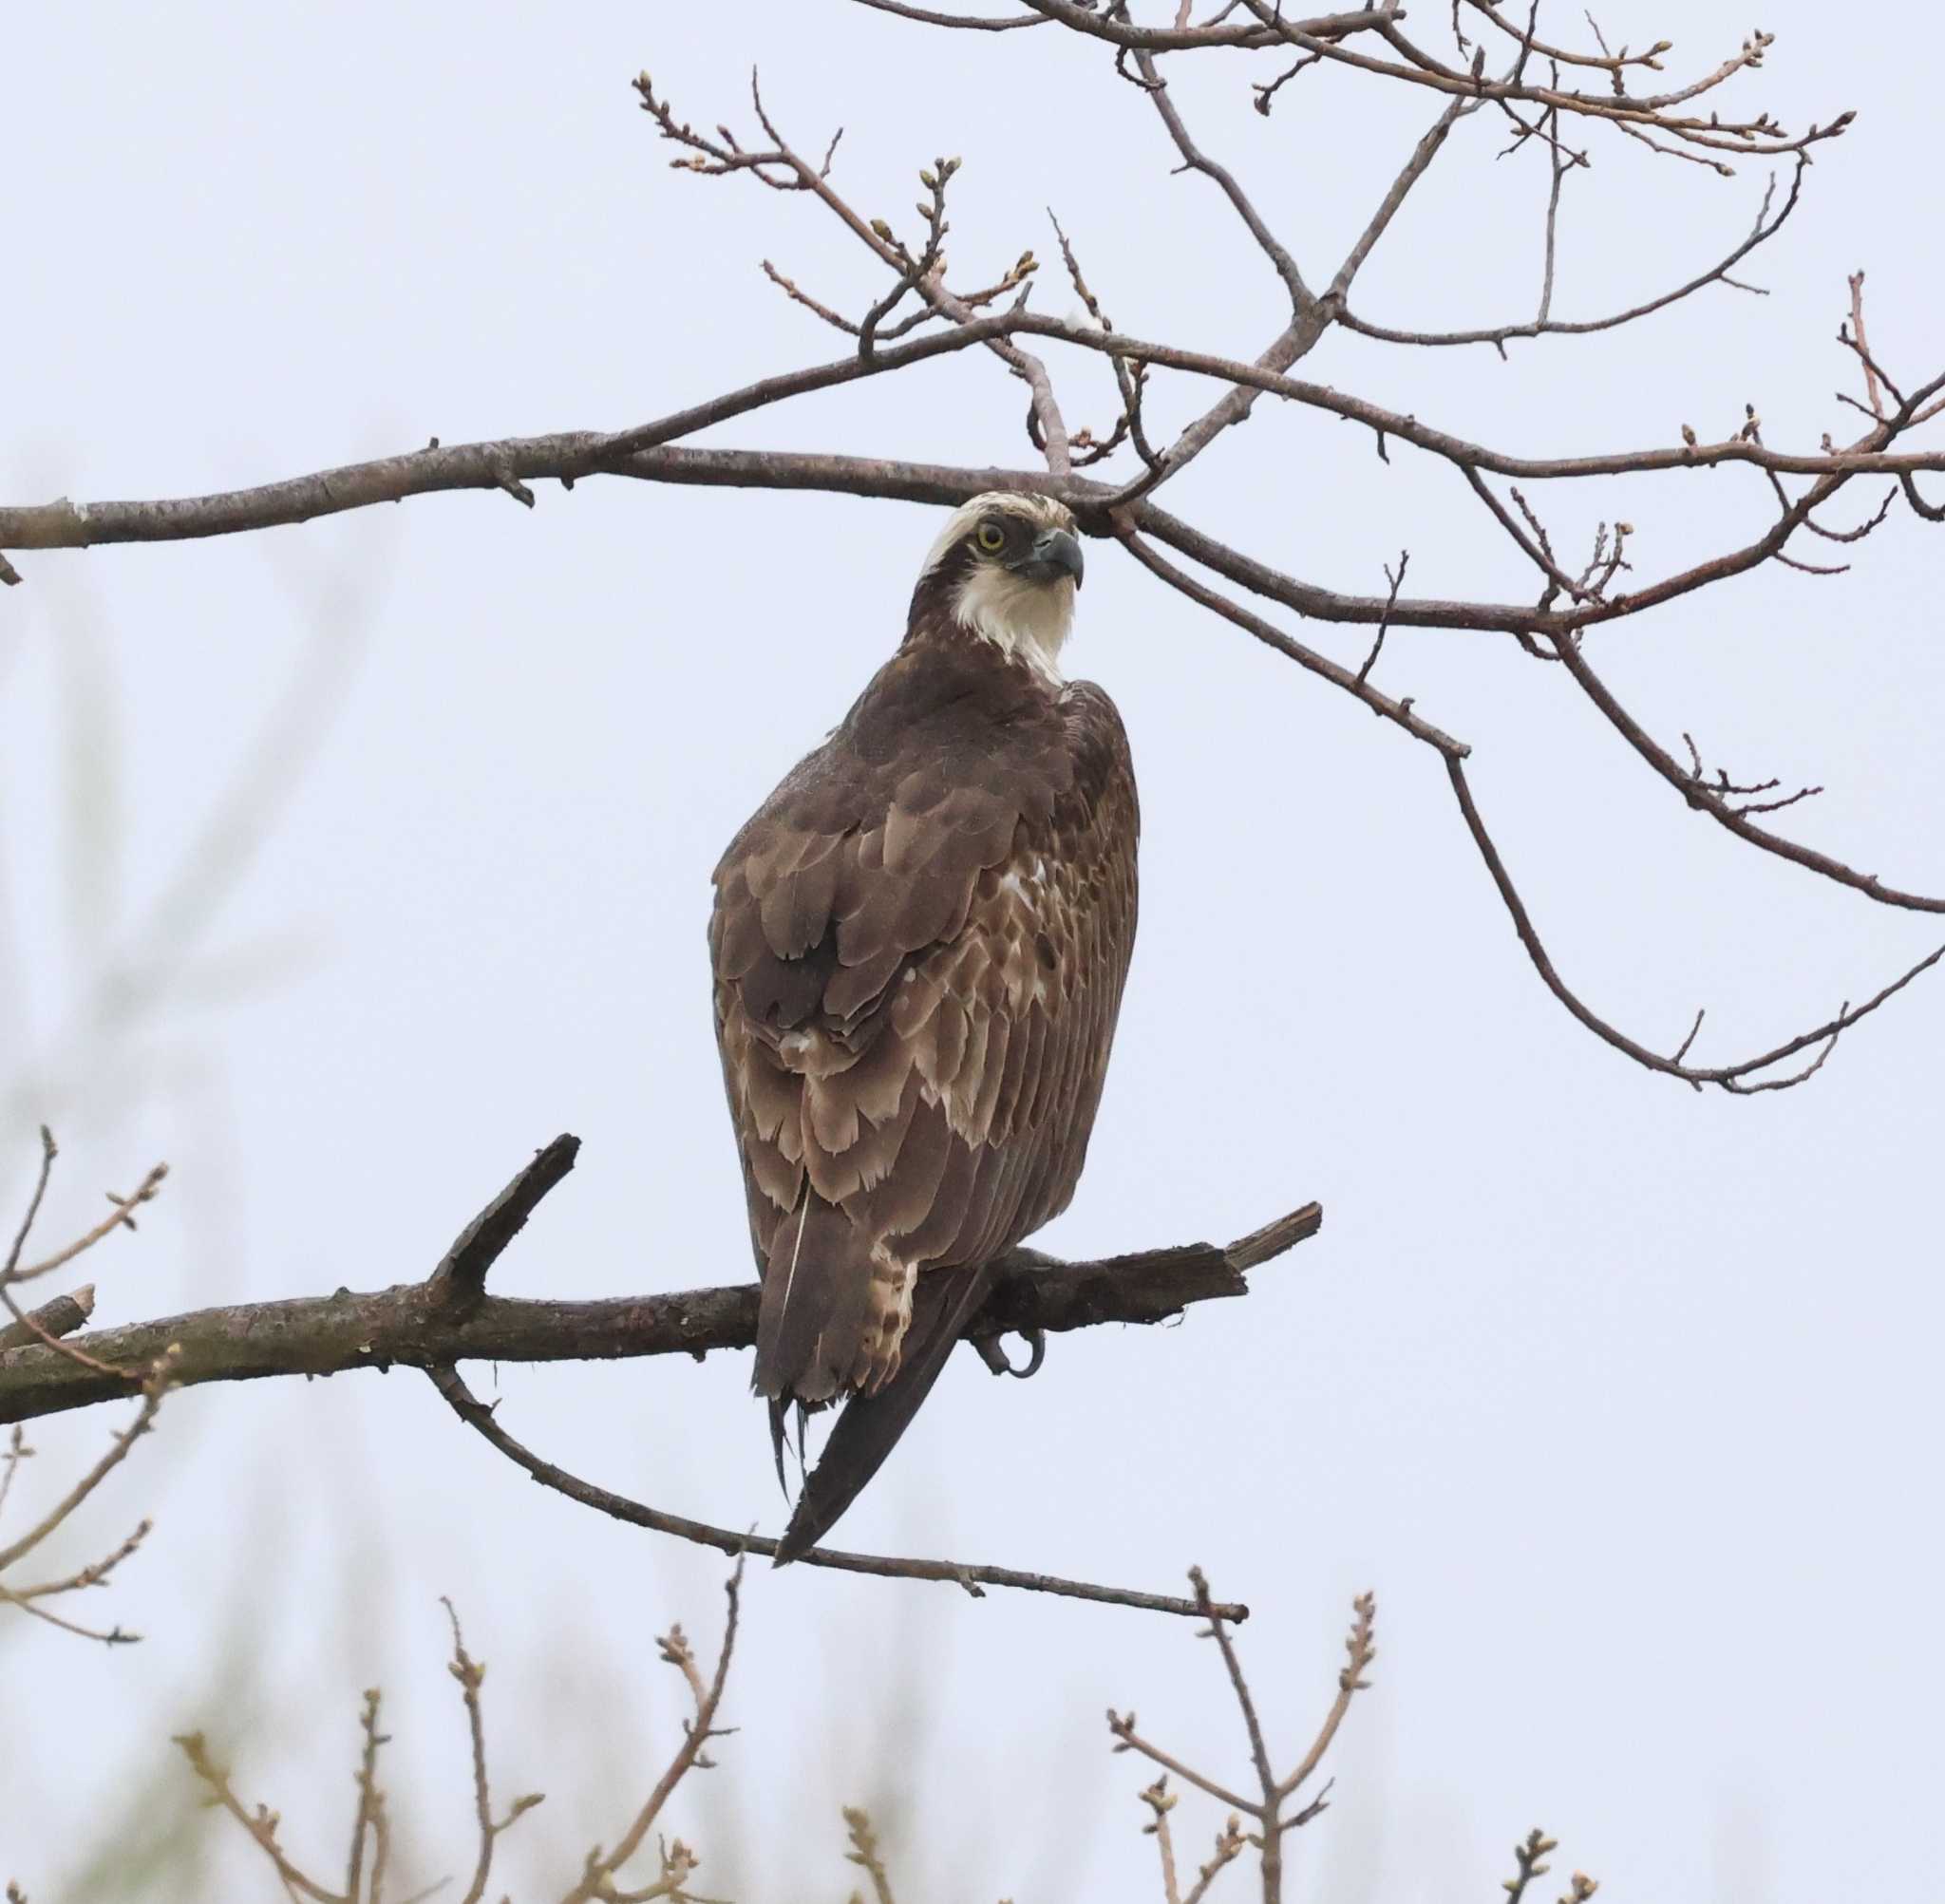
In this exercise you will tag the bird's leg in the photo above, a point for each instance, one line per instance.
(994, 1355)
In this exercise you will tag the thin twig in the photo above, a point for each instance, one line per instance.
(122, 1218)
(118, 1451)
(864, 1852)
(600, 1869)
(931, 17)
(262, 1824)
(1742, 1078)
(1713, 800)
(972, 1579)
(1361, 1647)
(1266, 1809)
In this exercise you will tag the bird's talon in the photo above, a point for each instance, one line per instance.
(993, 1354)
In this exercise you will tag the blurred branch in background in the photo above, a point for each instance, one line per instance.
(1274, 1793)
(127, 963)
(1526, 1867)
(95, 1036)
(47, 1328)
(369, 1860)
(1279, 1806)
(1575, 594)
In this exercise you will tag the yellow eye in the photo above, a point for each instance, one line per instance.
(992, 537)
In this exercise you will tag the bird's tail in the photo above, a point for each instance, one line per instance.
(870, 1425)
(817, 1303)
(825, 1313)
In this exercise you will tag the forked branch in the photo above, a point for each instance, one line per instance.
(1559, 92)
(449, 1317)
(604, 1877)
(1268, 1810)
(42, 1331)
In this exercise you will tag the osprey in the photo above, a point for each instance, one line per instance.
(919, 941)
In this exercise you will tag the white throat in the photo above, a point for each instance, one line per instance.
(1027, 621)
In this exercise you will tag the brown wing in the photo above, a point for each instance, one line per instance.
(1011, 1022)
(919, 944)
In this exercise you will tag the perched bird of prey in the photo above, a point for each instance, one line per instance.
(919, 942)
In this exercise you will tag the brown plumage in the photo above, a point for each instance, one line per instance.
(919, 942)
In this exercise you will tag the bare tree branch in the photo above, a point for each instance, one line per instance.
(424, 1325)
(1650, 60)
(569, 456)
(1715, 804)
(61, 1316)
(1527, 1866)
(1546, 325)
(371, 1826)
(42, 1331)
(974, 1579)
(783, 168)
(1372, 43)
(448, 1318)
(931, 17)
(1266, 1810)
(1759, 135)
(597, 1874)
(864, 1852)
(1741, 1078)
(1108, 25)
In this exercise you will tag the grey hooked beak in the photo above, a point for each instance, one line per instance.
(1055, 552)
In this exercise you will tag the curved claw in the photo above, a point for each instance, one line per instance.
(780, 1436)
(994, 1355)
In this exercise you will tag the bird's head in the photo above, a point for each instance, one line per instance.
(1005, 569)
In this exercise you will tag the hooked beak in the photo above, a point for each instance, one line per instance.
(1055, 552)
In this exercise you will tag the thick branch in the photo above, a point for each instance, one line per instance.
(563, 455)
(461, 1271)
(569, 455)
(448, 1318)
(419, 1325)
(68, 525)
(61, 1316)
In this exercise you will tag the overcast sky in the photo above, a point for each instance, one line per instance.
(342, 866)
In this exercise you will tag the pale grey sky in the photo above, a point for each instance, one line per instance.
(1621, 1399)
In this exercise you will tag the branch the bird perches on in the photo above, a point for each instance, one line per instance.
(449, 1319)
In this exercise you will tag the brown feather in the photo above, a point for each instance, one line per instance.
(871, 1424)
(919, 944)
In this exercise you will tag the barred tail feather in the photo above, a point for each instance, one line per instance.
(943, 1303)
(817, 1305)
